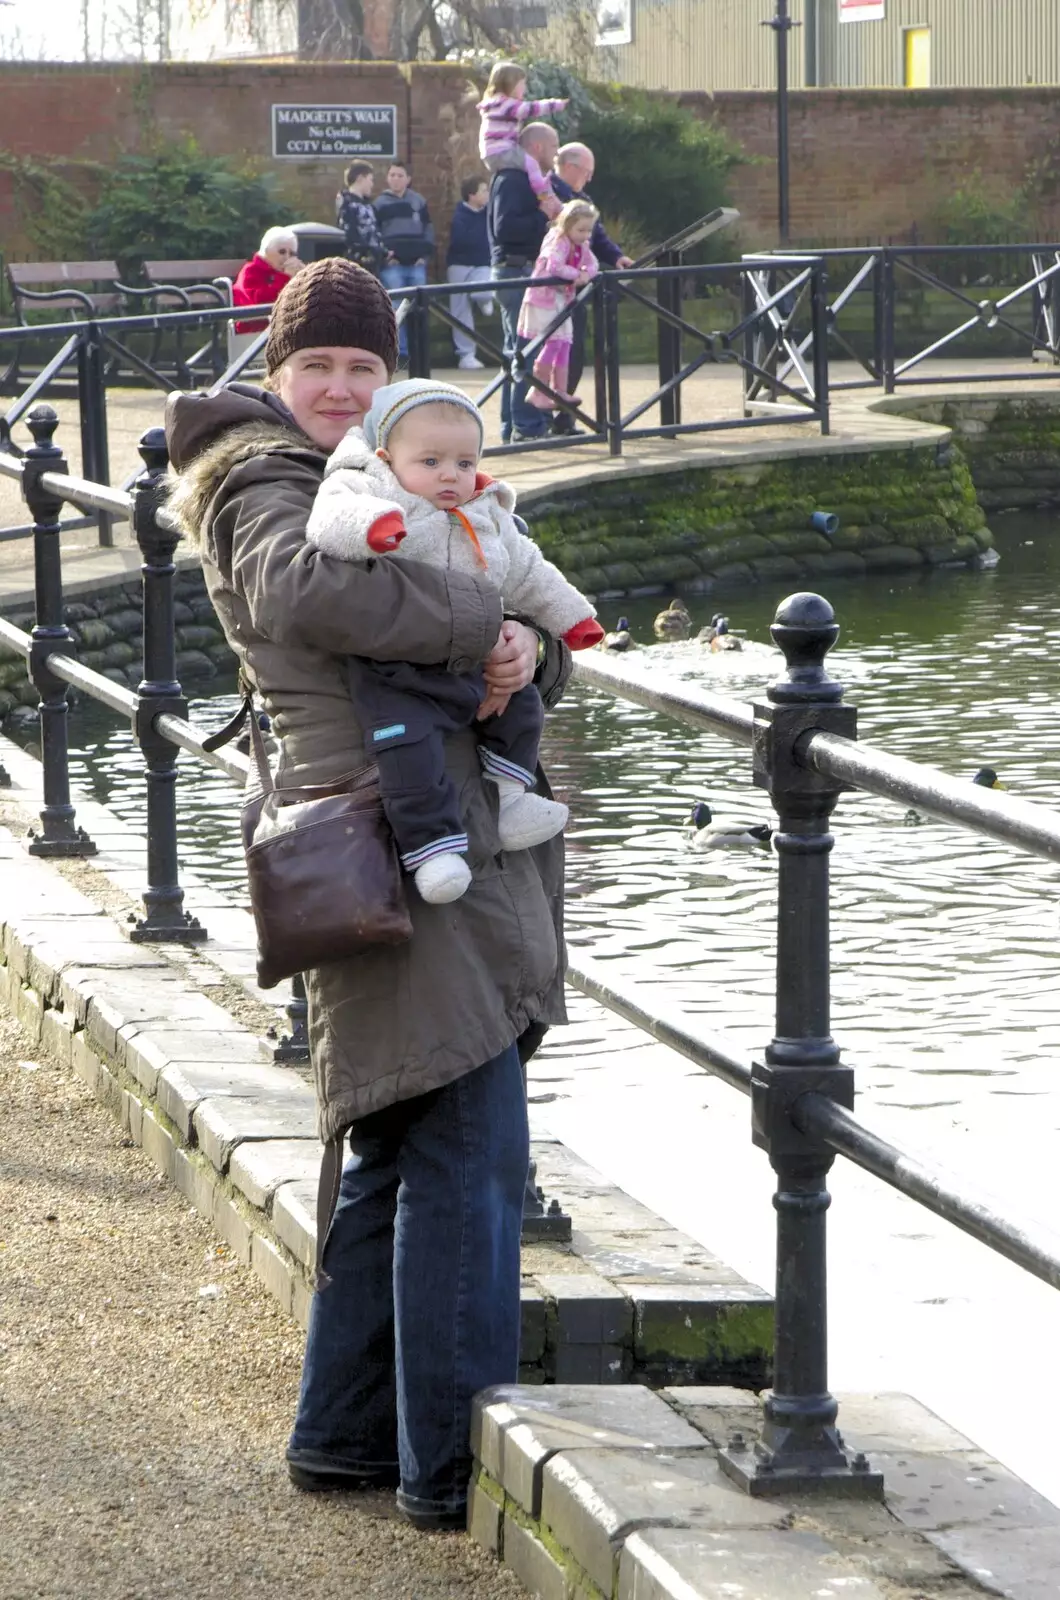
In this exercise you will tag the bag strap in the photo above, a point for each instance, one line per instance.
(257, 743)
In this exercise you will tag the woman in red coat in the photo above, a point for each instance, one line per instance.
(265, 274)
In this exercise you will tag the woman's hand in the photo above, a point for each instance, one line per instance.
(510, 666)
(292, 265)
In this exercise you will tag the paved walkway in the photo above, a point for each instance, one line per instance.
(148, 1384)
(713, 393)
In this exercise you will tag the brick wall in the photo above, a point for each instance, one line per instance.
(865, 164)
(871, 163)
(93, 113)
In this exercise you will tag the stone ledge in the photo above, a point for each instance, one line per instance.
(609, 1494)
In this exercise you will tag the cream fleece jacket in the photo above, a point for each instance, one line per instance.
(359, 490)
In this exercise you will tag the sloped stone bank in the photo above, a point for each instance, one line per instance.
(1011, 444)
(750, 523)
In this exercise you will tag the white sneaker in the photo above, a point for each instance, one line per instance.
(470, 364)
(529, 819)
(442, 878)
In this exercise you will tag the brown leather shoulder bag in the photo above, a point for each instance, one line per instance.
(322, 867)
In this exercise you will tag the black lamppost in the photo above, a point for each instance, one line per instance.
(782, 25)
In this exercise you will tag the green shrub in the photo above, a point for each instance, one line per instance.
(178, 202)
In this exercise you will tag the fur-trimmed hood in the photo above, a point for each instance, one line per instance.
(210, 434)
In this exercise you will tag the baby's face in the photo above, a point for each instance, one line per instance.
(433, 452)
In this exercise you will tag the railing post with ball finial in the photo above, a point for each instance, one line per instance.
(800, 1448)
(60, 834)
(159, 693)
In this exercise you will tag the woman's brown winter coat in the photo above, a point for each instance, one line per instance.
(477, 973)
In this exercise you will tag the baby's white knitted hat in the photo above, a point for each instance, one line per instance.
(396, 400)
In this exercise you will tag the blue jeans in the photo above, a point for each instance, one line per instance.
(422, 1307)
(398, 277)
(515, 412)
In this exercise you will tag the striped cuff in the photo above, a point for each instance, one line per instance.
(495, 766)
(454, 844)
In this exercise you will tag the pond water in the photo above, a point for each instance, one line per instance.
(945, 948)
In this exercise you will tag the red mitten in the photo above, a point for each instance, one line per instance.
(583, 635)
(386, 532)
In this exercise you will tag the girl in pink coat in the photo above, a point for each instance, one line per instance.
(564, 254)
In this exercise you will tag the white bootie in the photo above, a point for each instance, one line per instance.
(442, 878)
(527, 819)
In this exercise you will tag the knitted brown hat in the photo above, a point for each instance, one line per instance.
(332, 302)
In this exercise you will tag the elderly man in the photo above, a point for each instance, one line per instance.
(574, 168)
(517, 226)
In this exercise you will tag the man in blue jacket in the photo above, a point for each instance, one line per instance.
(574, 168)
(517, 227)
(468, 261)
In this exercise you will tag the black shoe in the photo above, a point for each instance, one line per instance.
(324, 1480)
(430, 1520)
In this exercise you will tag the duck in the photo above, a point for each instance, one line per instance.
(707, 834)
(986, 778)
(674, 622)
(620, 639)
(717, 635)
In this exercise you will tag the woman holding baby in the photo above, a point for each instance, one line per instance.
(417, 1048)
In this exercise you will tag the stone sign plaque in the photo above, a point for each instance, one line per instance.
(333, 133)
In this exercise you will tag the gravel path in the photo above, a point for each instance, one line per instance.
(147, 1383)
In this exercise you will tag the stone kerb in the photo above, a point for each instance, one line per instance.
(632, 1298)
(615, 1494)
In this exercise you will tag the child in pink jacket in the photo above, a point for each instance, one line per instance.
(504, 111)
(564, 254)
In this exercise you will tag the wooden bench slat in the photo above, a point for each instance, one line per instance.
(28, 272)
(193, 271)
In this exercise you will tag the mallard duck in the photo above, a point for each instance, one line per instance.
(986, 778)
(717, 635)
(621, 638)
(674, 622)
(706, 834)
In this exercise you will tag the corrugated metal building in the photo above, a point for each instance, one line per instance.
(722, 44)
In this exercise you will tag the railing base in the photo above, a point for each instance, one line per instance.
(760, 1471)
(290, 1052)
(189, 930)
(78, 844)
(541, 1223)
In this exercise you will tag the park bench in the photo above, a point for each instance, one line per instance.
(79, 290)
(72, 291)
(186, 286)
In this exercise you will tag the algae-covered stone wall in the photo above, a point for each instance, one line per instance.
(745, 523)
(107, 626)
(1012, 445)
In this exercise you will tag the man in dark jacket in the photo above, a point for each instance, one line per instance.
(517, 227)
(468, 261)
(408, 234)
(574, 168)
(355, 215)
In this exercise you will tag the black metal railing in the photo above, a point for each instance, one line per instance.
(871, 288)
(804, 752)
(99, 351)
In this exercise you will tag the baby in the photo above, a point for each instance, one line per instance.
(504, 111)
(409, 478)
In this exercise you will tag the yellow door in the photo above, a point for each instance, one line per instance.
(918, 58)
